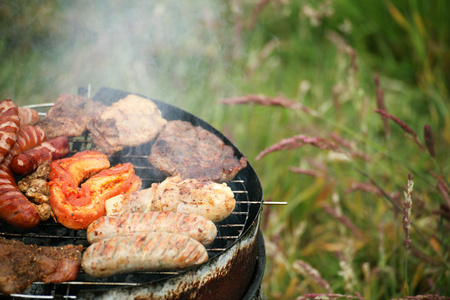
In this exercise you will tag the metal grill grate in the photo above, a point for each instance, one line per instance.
(51, 233)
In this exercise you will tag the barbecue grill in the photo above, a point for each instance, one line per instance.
(236, 261)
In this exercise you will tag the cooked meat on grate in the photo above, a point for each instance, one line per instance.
(155, 251)
(28, 161)
(28, 116)
(78, 206)
(9, 126)
(35, 188)
(194, 226)
(193, 152)
(131, 121)
(209, 199)
(14, 206)
(35, 185)
(70, 116)
(21, 265)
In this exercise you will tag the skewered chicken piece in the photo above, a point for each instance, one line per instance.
(206, 198)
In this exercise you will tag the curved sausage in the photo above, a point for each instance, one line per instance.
(9, 126)
(28, 116)
(156, 251)
(194, 226)
(14, 206)
(28, 161)
(28, 137)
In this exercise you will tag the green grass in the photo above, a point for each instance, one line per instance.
(194, 55)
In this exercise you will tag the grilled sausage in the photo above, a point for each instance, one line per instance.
(28, 137)
(194, 226)
(9, 126)
(14, 206)
(157, 251)
(28, 116)
(28, 161)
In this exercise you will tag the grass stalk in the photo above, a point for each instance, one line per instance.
(406, 220)
(399, 209)
(365, 140)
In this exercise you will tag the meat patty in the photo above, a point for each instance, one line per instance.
(70, 116)
(129, 122)
(21, 265)
(193, 152)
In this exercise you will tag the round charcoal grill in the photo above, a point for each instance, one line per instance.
(236, 261)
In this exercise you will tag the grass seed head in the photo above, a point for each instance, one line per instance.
(406, 215)
(309, 271)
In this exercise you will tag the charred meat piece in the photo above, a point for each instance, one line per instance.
(35, 185)
(209, 199)
(35, 188)
(70, 116)
(193, 152)
(129, 122)
(21, 265)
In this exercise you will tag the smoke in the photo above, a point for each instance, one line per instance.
(160, 49)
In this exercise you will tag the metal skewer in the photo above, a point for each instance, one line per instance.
(274, 202)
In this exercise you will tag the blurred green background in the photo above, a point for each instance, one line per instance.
(322, 54)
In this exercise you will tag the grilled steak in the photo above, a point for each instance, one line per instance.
(193, 152)
(21, 265)
(70, 116)
(129, 122)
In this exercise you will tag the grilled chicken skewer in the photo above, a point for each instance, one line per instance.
(206, 198)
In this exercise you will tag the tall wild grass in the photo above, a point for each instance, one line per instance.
(352, 101)
(340, 106)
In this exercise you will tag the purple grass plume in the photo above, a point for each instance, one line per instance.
(297, 142)
(308, 270)
(264, 101)
(403, 126)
